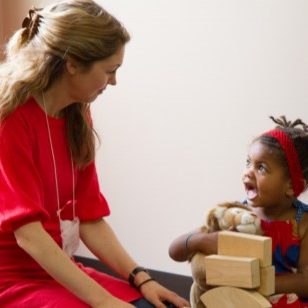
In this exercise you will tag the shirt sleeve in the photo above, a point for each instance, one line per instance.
(21, 196)
(91, 204)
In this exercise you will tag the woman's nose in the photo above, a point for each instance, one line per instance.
(112, 80)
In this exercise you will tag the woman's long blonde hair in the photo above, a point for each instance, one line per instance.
(36, 55)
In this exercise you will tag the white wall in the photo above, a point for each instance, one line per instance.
(199, 80)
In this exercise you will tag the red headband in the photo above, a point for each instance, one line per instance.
(295, 169)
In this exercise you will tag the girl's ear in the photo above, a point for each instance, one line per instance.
(290, 192)
(289, 189)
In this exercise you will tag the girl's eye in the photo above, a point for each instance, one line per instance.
(248, 162)
(262, 168)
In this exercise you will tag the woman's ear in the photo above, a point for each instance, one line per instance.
(72, 66)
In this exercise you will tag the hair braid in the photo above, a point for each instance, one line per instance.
(298, 133)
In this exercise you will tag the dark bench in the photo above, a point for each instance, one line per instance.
(177, 283)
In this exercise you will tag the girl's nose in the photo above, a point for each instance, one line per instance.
(248, 172)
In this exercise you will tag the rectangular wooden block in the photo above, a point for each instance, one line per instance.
(245, 245)
(240, 272)
(267, 281)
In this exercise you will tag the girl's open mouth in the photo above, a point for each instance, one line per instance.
(251, 191)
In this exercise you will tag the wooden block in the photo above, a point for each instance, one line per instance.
(267, 281)
(240, 272)
(245, 245)
(230, 297)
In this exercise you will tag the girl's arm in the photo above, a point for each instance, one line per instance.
(33, 238)
(292, 283)
(183, 247)
(298, 282)
(103, 243)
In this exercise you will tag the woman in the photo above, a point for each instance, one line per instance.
(61, 59)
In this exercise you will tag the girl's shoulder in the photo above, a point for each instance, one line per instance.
(301, 209)
(301, 217)
(303, 225)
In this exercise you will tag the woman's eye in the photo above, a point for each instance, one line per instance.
(112, 72)
(248, 162)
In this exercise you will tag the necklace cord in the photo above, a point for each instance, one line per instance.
(55, 166)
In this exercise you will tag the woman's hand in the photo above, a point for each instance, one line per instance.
(157, 295)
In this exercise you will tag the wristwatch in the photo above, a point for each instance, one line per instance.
(134, 272)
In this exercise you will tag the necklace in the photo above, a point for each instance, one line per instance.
(55, 166)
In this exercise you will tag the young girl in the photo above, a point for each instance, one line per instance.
(276, 174)
(57, 63)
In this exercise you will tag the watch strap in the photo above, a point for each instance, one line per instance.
(134, 272)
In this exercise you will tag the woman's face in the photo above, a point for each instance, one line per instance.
(85, 86)
(265, 180)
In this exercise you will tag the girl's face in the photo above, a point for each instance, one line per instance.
(265, 180)
(85, 86)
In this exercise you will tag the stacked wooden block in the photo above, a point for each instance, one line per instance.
(243, 271)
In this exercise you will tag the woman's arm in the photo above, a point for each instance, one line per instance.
(33, 238)
(186, 245)
(103, 243)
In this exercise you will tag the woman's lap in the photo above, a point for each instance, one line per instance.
(47, 293)
(42, 294)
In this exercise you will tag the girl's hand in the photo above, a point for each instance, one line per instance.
(157, 295)
(203, 242)
(186, 245)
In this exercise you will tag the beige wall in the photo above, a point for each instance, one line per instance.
(15, 12)
(1, 29)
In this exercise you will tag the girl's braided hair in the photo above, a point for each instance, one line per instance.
(297, 131)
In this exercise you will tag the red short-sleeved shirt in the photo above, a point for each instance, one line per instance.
(28, 190)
